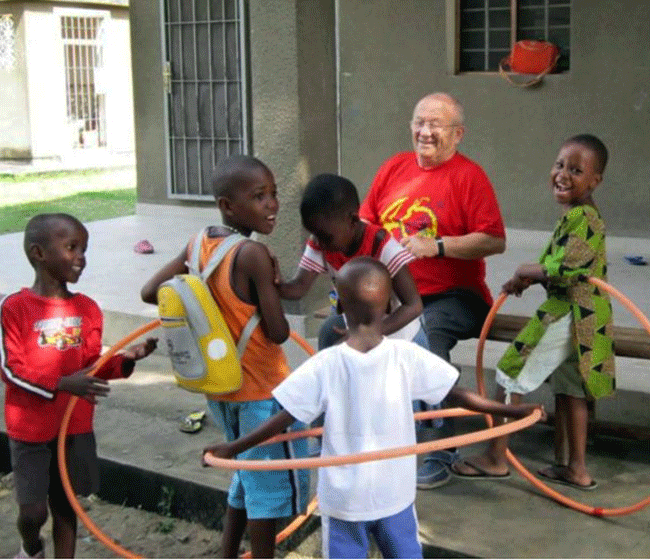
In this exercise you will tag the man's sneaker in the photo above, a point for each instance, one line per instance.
(434, 471)
(23, 554)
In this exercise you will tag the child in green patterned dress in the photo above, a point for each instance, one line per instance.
(570, 334)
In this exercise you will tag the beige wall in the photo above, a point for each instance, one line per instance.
(119, 99)
(15, 139)
(392, 56)
(45, 83)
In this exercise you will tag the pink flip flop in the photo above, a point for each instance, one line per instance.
(143, 247)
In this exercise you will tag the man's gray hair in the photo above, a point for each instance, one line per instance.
(455, 104)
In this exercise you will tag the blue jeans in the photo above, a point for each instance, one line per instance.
(327, 336)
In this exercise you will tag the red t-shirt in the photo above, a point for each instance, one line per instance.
(454, 198)
(44, 339)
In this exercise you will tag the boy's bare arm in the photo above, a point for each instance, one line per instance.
(149, 292)
(274, 425)
(298, 286)
(473, 401)
(256, 266)
(411, 302)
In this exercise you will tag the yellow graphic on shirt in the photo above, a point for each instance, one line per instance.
(417, 219)
(60, 332)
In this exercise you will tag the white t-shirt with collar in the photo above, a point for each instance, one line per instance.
(366, 398)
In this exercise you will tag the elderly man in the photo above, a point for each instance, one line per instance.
(441, 206)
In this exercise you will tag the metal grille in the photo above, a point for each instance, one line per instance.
(204, 79)
(84, 62)
(489, 27)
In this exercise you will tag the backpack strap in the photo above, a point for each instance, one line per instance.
(228, 243)
(193, 259)
(247, 332)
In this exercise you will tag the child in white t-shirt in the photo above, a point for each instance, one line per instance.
(364, 387)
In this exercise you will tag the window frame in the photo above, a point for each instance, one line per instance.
(453, 21)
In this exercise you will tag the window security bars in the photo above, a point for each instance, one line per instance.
(83, 39)
(204, 80)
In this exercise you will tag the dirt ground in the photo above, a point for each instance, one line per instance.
(144, 533)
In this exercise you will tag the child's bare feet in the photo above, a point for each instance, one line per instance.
(480, 466)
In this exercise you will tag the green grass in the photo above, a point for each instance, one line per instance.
(41, 175)
(86, 206)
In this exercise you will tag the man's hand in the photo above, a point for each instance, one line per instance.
(420, 246)
(81, 385)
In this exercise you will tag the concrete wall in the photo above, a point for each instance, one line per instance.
(293, 110)
(15, 140)
(45, 83)
(392, 56)
(120, 128)
(148, 100)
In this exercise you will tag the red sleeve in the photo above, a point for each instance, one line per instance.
(117, 366)
(15, 366)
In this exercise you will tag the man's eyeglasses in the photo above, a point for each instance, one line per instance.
(419, 124)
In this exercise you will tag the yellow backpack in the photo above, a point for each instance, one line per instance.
(202, 350)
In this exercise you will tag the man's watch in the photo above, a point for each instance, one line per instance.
(441, 246)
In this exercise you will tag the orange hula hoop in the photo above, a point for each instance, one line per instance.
(392, 453)
(63, 467)
(65, 476)
(519, 467)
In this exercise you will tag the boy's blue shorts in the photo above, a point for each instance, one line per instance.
(395, 535)
(263, 494)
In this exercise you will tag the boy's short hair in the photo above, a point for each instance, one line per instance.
(232, 173)
(328, 195)
(362, 306)
(39, 228)
(594, 144)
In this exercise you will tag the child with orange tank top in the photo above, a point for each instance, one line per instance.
(242, 285)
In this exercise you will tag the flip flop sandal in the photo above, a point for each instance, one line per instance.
(481, 474)
(193, 422)
(557, 478)
(143, 247)
(636, 260)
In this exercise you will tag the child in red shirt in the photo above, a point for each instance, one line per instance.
(51, 337)
(330, 212)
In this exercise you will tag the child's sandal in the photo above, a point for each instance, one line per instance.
(193, 422)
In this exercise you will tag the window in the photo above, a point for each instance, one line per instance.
(204, 81)
(489, 27)
(83, 50)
